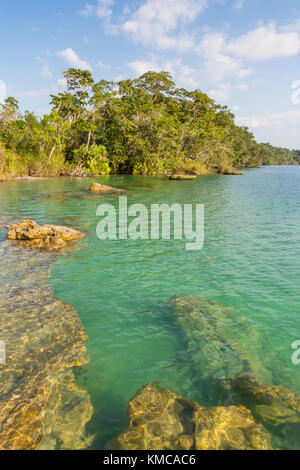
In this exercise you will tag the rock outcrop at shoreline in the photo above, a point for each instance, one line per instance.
(41, 404)
(161, 419)
(97, 187)
(46, 237)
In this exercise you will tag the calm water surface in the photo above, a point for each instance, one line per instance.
(250, 261)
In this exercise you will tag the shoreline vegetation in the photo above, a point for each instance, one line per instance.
(145, 126)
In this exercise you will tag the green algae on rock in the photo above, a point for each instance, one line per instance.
(41, 405)
(223, 344)
(160, 419)
(47, 237)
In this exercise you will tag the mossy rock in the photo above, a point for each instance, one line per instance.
(274, 405)
(47, 237)
(230, 172)
(97, 187)
(161, 419)
(182, 177)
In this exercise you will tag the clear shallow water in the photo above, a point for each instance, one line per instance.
(250, 261)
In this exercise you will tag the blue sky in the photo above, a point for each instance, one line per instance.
(243, 53)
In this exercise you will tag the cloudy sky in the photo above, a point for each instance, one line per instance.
(242, 53)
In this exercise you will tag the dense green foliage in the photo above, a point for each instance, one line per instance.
(142, 126)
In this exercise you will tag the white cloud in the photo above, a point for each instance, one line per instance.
(87, 11)
(224, 63)
(280, 128)
(242, 86)
(265, 42)
(220, 92)
(239, 4)
(103, 10)
(292, 26)
(103, 66)
(73, 59)
(272, 121)
(86, 40)
(224, 60)
(219, 66)
(46, 52)
(243, 73)
(33, 93)
(142, 66)
(61, 83)
(36, 29)
(156, 20)
(120, 77)
(156, 65)
(46, 72)
(2, 91)
(185, 76)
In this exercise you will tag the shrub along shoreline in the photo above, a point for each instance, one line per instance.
(145, 126)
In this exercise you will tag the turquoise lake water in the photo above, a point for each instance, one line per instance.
(120, 288)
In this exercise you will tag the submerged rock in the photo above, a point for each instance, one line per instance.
(182, 177)
(103, 188)
(221, 342)
(67, 411)
(41, 405)
(48, 237)
(160, 419)
(274, 405)
(230, 172)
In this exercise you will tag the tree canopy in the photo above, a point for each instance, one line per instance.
(141, 126)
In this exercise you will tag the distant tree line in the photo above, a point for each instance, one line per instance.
(142, 126)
